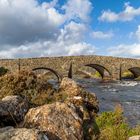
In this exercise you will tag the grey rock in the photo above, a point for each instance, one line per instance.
(12, 110)
(59, 120)
(10, 133)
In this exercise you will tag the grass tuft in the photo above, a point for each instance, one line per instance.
(113, 126)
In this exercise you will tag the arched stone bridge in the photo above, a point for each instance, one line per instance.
(113, 65)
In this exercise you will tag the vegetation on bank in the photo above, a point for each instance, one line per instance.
(97, 75)
(128, 75)
(84, 74)
(113, 126)
(27, 84)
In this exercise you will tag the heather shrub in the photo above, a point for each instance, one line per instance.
(26, 83)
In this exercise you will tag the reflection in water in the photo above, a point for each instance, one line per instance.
(126, 93)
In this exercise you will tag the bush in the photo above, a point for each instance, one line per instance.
(27, 84)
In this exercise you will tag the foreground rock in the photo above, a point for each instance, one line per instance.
(57, 119)
(135, 138)
(71, 115)
(77, 95)
(12, 110)
(85, 102)
(9, 133)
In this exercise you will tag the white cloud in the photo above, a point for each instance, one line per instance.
(136, 34)
(102, 35)
(48, 48)
(78, 9)
(132, 50)
(128, 14)
(30, 29)
(22, 21)
(51, 4)
(68, 43)
(73, 32)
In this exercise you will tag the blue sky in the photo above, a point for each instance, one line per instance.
(38, 28)
(120, 29)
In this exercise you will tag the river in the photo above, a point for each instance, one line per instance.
(126, 93)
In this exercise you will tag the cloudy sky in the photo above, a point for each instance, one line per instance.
(39, 28)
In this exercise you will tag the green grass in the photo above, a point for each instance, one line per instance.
(113, 126)
(127, 75)
(97, 75)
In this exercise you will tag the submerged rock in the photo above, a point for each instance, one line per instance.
(13, 110)
(10, 133)
(57, 119)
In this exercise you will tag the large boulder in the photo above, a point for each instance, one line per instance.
(13, 110)
(9, 133)
(57, 119)
(85, 102)
(70, 86)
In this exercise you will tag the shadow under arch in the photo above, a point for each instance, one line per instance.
(135, 71)
(101, 69)
(59, 77)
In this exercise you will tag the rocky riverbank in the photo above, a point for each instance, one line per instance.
(33, 109)
(65, 113)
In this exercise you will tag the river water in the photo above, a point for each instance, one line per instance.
(126, 93)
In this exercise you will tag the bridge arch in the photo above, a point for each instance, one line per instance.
(59, 77)
(135, 71)
(101, 69)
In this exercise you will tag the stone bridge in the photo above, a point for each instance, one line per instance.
(114, 66)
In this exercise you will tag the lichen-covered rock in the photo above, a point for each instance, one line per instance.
(135, 138)
(79, 96)
(85, 102)
(59, 119)
(13, 110)
(70, 86)
(9, 133)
